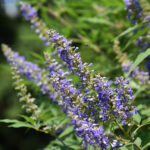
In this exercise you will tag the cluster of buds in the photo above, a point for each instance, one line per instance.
(25, 97)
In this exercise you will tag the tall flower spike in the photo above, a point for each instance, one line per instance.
(134, 9)
(92, 133)
(137, 15)
(71, 58)
(96, 83)
(25, 97)
(30, 71)
(31, 14)
(103, 96)
(146, 10)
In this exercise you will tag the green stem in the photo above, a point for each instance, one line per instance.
(122, 129)
(140, 127)
(130, 138)
(137, 146)
(67, 148)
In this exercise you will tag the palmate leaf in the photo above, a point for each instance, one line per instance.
(138, 60)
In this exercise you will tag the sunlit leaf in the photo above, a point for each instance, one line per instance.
(66, 132)
(139, 59)
(134, 37)
(16, 123)
(137, 117)
(138, 141)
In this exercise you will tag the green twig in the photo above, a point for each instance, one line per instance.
(130, 138)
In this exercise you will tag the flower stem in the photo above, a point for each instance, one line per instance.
(125, 133)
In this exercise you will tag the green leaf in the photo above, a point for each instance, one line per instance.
(137, 117)
(139, 91)
(127, 31)
(20, 124)
(110, 11)
(16, 123)
(50, 147)
(97, 20)
(79, 139)
(138, 141)
(146, 146)
(57, 142)
(72, 143)
(90, 147)
(140, 107)
(38, 56)
(28, 119)
(146, 121)
(134, 37)
(8, 120)
(123, 148)
(146, 112)
(132, 147)
(139, 59)
(134, 84)
(67, 131)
